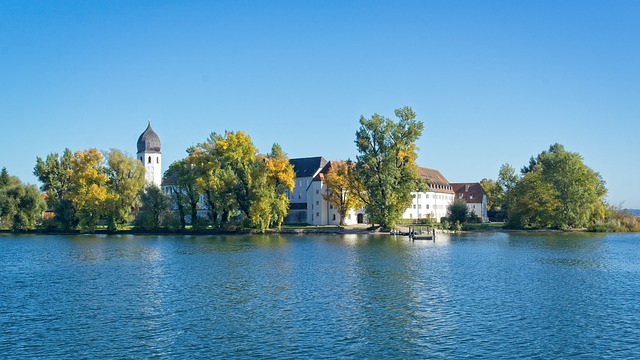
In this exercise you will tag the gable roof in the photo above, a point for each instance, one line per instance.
(469, 192)
(307, 167)
(437, 182)
(325, 169)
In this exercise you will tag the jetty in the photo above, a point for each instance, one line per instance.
(416, 232)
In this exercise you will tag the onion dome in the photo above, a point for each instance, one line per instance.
(149, 141)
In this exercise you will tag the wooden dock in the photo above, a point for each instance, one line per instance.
(416, 232)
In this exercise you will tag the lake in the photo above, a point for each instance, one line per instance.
(493, 295)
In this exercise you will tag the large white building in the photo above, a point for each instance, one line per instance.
(430, 204)
(150, 155)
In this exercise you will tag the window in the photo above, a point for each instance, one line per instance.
(158, 160)
(317, 191)
(334, 217)
(410, 216)
(299, 196)
(317, 214)
(331, 207)
(427, 196)
(419, 196)
(149, 162)
(317, 202)
(427, 207)
(419, 206)
(414, 206)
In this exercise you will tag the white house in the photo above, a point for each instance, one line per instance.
(433, 203)
(305, 170)
(475, 197)
(320, 212)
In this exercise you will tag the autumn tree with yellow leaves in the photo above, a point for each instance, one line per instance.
(88, 191)
(85, 188)
(344, 191)
(238, 183)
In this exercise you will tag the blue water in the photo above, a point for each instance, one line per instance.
(354, 296)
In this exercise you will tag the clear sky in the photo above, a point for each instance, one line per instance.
(494, 81)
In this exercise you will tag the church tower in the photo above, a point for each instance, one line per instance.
(149, 154)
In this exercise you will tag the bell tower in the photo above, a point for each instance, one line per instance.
(149, 154)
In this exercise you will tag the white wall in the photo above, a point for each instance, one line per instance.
(428, 204)
(320, 212)
(299, 194)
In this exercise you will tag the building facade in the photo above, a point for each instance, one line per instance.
(320, 211)
(475, 197)
(430, 204)
(305, 170)
(434, 202)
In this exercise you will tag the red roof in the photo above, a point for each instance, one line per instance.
(437, 182)
(469, 192)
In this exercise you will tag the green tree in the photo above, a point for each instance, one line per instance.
(387, 164)
(493, 192)
(155, 206)
(214, 181)
(21, 205)
(186, 193)
(125, 182)
(237, 156)
(237, 182)
(557, 190)
(458, 212)
(55, 174)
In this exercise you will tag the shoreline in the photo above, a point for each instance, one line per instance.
(285, 231)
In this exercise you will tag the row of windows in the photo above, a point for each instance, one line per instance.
(149, 160)
(436, 196)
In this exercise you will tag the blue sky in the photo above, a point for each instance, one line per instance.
(494, 81)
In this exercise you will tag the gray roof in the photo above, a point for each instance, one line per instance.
(307, 167)
(149, 141)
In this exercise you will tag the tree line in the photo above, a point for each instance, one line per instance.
(239, 186)
(224, 182)
(555, 190)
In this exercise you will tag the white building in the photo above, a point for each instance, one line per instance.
(475, 197)
(320, 212)
(433, 203)
(150, 155)
(305, 170)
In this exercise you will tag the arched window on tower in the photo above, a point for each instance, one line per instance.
(158, 160)
(149, 162)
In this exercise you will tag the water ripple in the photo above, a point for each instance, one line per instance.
(487, 296)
